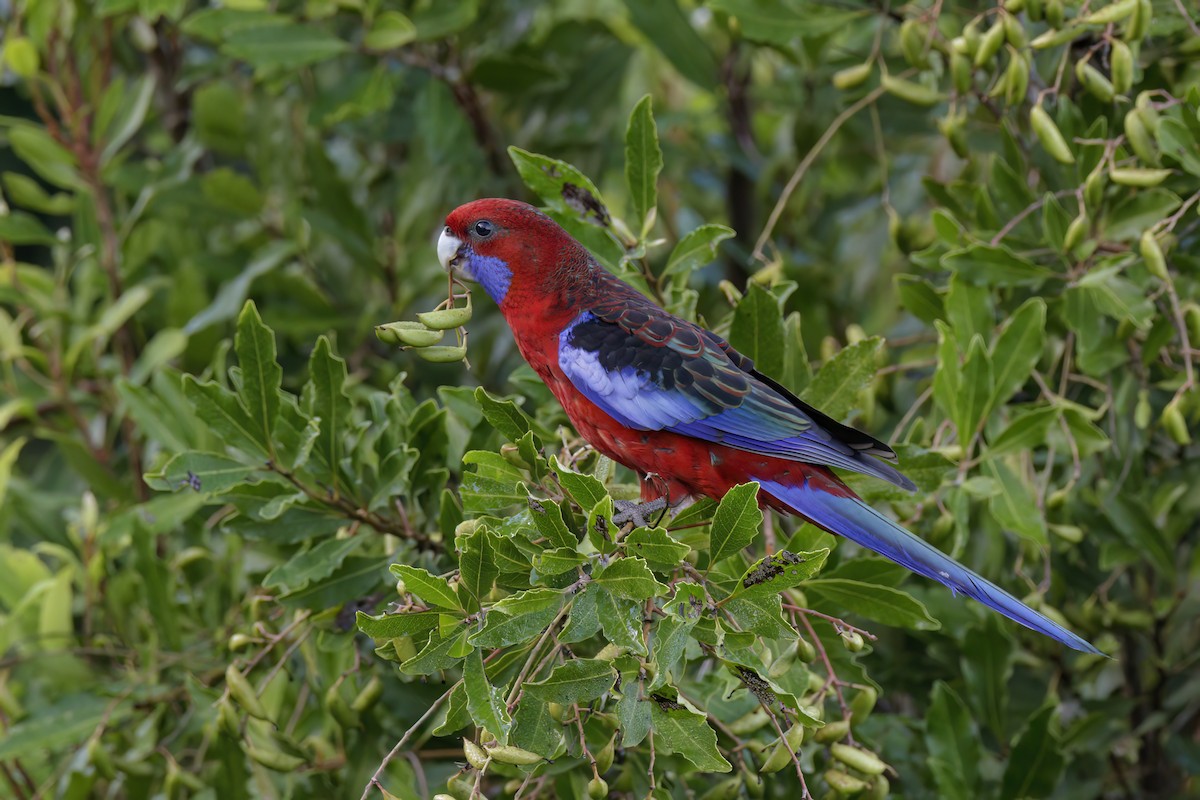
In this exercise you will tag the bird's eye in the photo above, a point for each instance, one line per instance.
(484, 229)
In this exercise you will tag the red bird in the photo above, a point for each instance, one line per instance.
(675, 403)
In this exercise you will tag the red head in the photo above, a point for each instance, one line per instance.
(520, 256)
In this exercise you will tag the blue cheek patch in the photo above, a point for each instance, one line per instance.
(491, 273)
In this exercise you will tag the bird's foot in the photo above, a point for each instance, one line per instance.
(629, 511)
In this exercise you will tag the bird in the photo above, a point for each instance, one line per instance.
(675, 403)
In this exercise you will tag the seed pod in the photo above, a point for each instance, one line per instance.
(99, 757)
(1076, 231)
(961, 73)
(781, 755)
(1174, 423)
(864, 761)
(1014, 32)
(863, 704)
(444, 796)
(1054, 13)
(832, 732)
(805, 651)
(727, 789)
(557, 711)
(508, 754)
(1093, 187)
(21, 56)
(1014, 6)
(444, 354)
(1120, 60)
(243, 693)
(970, 35)
(814, 710)
(1152, 254)
(1137, 133)
(1070, 533)
(1110, 13)
(952, 126)
(604, 757)
(368, 696)
(852, 77)
(1050, 136)
(1034, 10)
(853, 641)
(239, 641)
(879, 789)
(228, 721)
(597, 788)
(910, 91)
(989, 44)
(1016, 78)
(339, 709)
(1191, 317)
(1139, 177)
(844, 782)
(476, 757)
(1139, 21)
(407, 332)
(1094, 82)
(751, 721)
(1053, 38)
(912, 43)
(273, 759)
(447, 318)
(1057, 498)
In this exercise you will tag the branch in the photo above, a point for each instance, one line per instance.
(395, 751)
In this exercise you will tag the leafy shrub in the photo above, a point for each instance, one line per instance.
(208, 465)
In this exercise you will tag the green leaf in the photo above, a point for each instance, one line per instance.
(972, 403)
(987, 665)
(477, 564)
(919, 297)
(518, 618)
(580, 680)
(835, 388)
(633, 709)
(761, 614)
(311, 565)
(285, 46)
(783, 570)
(440, 653)
(584, 620)
(1013, 507)
(948, 380)
(660, 550)
(67, 722)
(1036, 763)
(643, 162)
(232, 294)
(695, 249)
(484, 701)
(209, 473)
(547, 517)
(620, 620)
(953, 744)
(1018, 349)
(391, 626)
(757, 330)
(996, 266)
(880, 603)
(666, 27)
(736, 523)
(535, 729)
(390, 30)
(561, 186)
(262, 376)
(435, 591)
(503, 415)
(678, 729)
(327, 379)
(134, 103)
(585, 490)
(631, 579)
(17, 227)
(968, 309)
(220, 410)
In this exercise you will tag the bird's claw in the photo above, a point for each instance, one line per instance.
(629, 511)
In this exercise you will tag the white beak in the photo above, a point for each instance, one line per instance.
(447, 248)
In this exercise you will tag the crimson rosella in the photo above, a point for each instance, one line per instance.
(679, 406)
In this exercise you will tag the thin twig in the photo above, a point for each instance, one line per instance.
(395, 751)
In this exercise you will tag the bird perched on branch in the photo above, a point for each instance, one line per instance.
(675, 403)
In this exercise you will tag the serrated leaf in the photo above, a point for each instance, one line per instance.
(629, 578)
(660, 550)
(580, 680)
(535, 729)
(1036, 763)
(503, 415)
(736, 523)
(518, 617)
(391, 626)
(643, 162)
(262, 376)
(697, 248)
(585, 490)
(620, 620)
(680, 730)
(783, 570)
(563, 187)
(760, 614)
(477, 564)
(976, 389)
(834, 389)
(438, 654)
(548, 519)
(952, 741)
(633, 709)
(484, 701)
(995, 266)
(218, 408)
(327, 377)
(1013, 507)
(757, 330)
(207, 473)
(311, 565)
(1017, 349)
(433, 590)
(881, 603)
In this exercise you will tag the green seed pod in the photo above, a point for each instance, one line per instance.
(1053, 38)
(1034, 10)
(961, 73)
(273, 759)
(368, 696)
(844, 782)
(557, 711)
(508, 754)
(805, 651)
(239, 641)
(1174, 423)
(243, 693)
(1191, 317)
(444, 354)
(1076, 231)
(405, 648)
(604, 757)
(444, 796)
(990, 44)
(21, 56)
(228, 721)
(751, 721)
(407, 332)
(1139, 177)
(781, 755)
(1069, 533)
(447, 318)
(863, 704)
(99, 757)
(943, 525)
(597, 788)
(1152, 254)
(953, 127)
(1050, 136)
(1093, 187)
(1110, 13)
(814, 710)
(970, 35)
(1014, 6)
(727, 789)
(1016, 78)
(419, 338)
(1054, 13)
(912, 43)
(864, 761)
(1121, 66)
(476, 757)
(910, 91)
(1139, 21)
(1014, 32)
(853, 641)
(1057, 498)
(832, 732)
(339, 709)
(1138, 135)
(852, 77)
(1094, 82)
(879, 790)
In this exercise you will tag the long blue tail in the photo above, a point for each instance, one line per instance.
(858, 522)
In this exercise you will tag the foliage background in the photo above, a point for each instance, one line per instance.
(163, 161)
